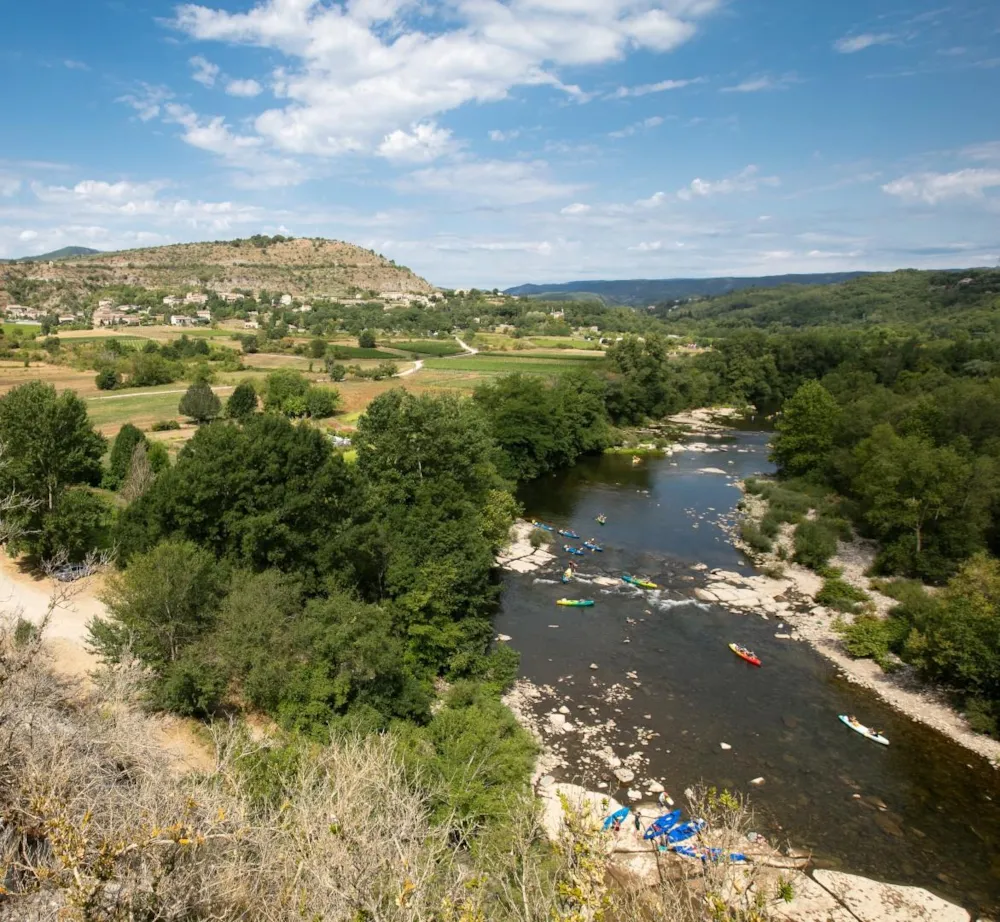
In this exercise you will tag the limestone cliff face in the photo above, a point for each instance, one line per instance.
(301, 267)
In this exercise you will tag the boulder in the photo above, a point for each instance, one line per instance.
(625, 775)
(634, 795)
(564, 710)
(594, 807)
(725, 746)
(871, 901)
(810, 903)
(655, 787)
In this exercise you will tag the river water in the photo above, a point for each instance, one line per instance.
(929, 813)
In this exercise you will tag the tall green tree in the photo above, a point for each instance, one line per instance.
(48, 443)
(242, 401)
(166, 600)
(200, 403)
(806, 431)
(122, 449)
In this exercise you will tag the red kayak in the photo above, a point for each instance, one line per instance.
(744, 653)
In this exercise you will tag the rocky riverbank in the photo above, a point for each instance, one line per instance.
(826, 896)
(792, 596)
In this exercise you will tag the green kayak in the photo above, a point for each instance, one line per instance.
(576, 603)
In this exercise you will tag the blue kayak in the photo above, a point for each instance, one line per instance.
(573, 550)
(593, 547)
(685, 831)
(543, 526)
(706, 854)
(569, 534)
(619, 815)
(659, 826)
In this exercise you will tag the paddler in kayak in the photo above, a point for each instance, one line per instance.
(602, 519)
(568, 574)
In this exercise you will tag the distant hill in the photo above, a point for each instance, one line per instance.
(64, 253)
(932, 299)
(642, 292)
(301, 267)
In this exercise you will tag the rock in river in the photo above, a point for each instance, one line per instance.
(625, 775)
(871, 901)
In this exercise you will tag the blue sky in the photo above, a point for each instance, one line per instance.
(491, 143)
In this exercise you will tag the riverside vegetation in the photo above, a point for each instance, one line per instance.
(351, 603)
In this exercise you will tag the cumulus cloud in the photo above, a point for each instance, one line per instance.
(205, 72)
(498, 135)
(850, 44)
(763, 83)
(357, 72)
(499, 181)
(747, 180)
(577, 208)
(421, 144)
(646, 88)
(245, 88)
(932, 188)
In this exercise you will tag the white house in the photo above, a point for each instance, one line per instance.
(196, 297)
(172, 300)
(203, 316)
(181, 320)
(286, 300)
(251, 325)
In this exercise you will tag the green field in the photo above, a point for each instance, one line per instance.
(25, 329)
(535, 364)
(429, 347)
(356, 352)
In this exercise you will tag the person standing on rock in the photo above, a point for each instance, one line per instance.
(638, 821)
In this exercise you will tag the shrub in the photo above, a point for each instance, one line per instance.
(840, 595)
(108, 379)
(366, 340)
(336, 370)
(538, 537)
(815, 544)
(321, 402)
(165, 425)
(875, 638)
(755, 538)
(242, 402)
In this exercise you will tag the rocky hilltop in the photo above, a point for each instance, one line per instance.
(302, 267)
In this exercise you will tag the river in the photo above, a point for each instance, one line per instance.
(929, 811)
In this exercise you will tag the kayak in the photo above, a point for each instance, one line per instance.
(576, 603)
(685, 831)
(573, 550)
(662, 825)
(745, 654)
(542, 526)
(715, 854)
(569, 534)
(619, 815)
(641, 583)
(594, 547)
(864, 731)
(602, 520)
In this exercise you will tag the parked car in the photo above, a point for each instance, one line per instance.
(71, 572)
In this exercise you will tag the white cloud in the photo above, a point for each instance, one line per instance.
(654, 201)
(421, 144)
(651, 246)
(746, 180)
(245, 88)
(938, 187)
(762, 83)
(497, 135)
(148, 101)
(652, 122)
(205, 72)
(360, 71)
(71, 64)
(577, 208)
(988, 150)
(850, 44)
(242, 152)
(499, 181)
(27, 235)
(646, 88)
(9, 185)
